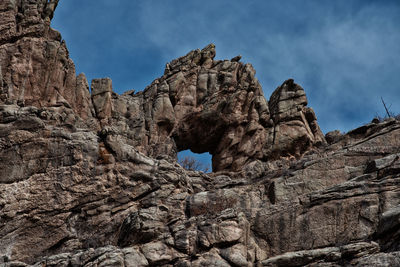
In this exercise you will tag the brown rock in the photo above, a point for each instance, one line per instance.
(101, 97)
(83, 101)
(92, 180)
(236, 59)
(35, 66)
(217, 107)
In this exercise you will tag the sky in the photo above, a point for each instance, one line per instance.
(344, 53)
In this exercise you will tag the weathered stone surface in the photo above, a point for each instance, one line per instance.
(379, 259)
(159, 253)
(105, 256)
(236, 255)
(92, 179)
(215, 106)
(321, 256)
(35, 68)
(101, 96)
(84, 105)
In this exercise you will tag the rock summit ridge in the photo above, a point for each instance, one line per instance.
(216, 106)
(202, 104)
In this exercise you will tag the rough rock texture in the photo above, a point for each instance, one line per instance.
(35, 69)
(200, 104)
(218, 107)
(91, 179)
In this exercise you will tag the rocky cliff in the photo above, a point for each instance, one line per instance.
(89, 178)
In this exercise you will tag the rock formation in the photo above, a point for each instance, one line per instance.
(91, 179)
(211, 106)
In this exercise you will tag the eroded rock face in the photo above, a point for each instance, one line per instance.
(216, 106)
(92, 179)
(35, 68)
(201, 104)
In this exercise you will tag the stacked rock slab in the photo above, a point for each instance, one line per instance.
(92, 179)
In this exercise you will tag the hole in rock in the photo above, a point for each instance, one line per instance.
(195, 161)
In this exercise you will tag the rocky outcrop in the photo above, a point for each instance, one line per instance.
(101, 97)
(216, 106)
(201, 104)
(91, 179)
(35, 68)
(66, 198)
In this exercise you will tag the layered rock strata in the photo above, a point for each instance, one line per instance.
(91, 179)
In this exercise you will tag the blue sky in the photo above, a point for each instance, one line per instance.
(344, 53)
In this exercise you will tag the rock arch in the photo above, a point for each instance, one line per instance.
(202, 104)
(215, 106)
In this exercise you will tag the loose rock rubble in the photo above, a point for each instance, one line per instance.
(91, 179)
